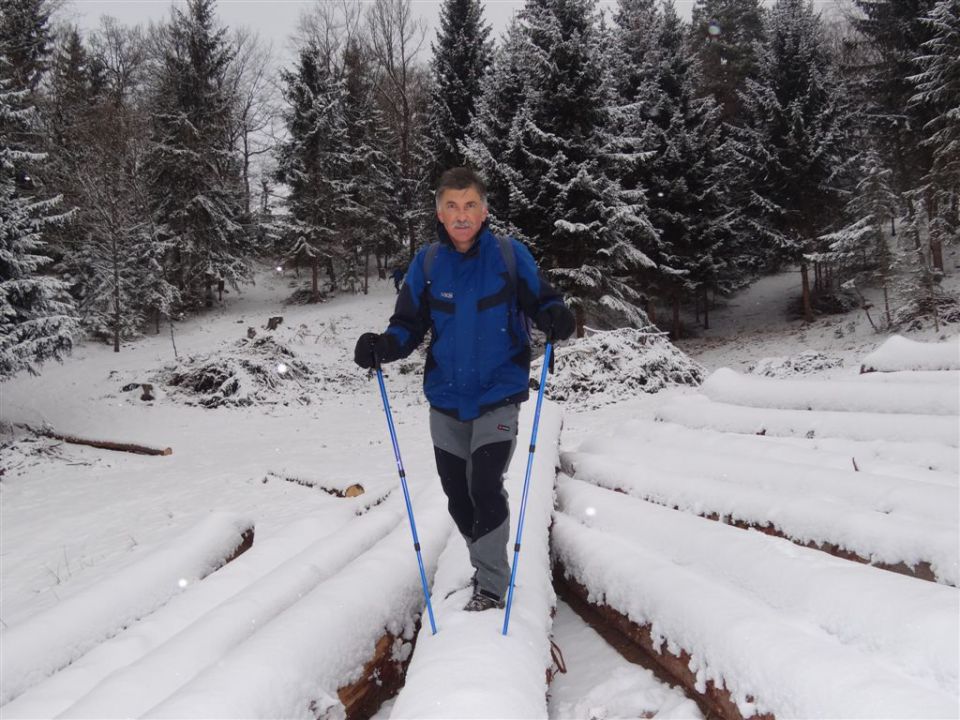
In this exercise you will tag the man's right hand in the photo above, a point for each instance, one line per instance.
(372, 347)
(364, 354)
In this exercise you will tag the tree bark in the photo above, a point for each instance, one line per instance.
(676, 315)
(706, 309)
(805, 280)
(315, 280)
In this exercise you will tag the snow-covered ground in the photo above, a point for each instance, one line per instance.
(871, 467)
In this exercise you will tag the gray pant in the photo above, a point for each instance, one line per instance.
(471, 459)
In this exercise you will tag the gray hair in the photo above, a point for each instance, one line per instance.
(461, 178)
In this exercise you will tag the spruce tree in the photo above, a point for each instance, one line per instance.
(311, 162)
(576, 219)
(687, 175)
(461, 55)
(726, 35)
(37, 320)
(938, 88)
(863, 242)
(796, 139)
(196, 186)
(490, 144)
(896, 32)
(362, 217)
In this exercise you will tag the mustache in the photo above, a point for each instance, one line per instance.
(463, 225)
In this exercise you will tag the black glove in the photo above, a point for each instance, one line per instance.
(372, 347)
(556, 321)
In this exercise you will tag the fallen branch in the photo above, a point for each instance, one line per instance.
(103, 444)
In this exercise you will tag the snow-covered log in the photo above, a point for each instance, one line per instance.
(637, 436)
(294, 665)
(58, 692)
(704, 589)
(899, 353)
(53, 638)
(727, 386)
(904, 526)
(133, 690)
(700, 412)
(469, 669)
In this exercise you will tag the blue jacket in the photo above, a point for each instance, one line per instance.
(479, 355)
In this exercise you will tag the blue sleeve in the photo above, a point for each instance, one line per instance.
(534, 291)
(411, 315)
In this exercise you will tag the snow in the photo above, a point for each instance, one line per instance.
(700, 412)
(872, 467)
(899, 353)
(153, 659)
(54, 637)
(599, 683)
(728, 386)
(469, 652)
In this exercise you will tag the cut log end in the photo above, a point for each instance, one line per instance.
(382, 678)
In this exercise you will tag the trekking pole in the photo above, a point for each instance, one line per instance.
(406, 493)
(547, 359)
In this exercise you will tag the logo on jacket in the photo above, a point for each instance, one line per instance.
(446, 295)
(505, 428)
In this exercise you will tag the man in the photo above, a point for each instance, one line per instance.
(473, 290)
(397, 276)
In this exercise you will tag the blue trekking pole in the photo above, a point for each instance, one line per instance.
(547, 360)
(406, 493)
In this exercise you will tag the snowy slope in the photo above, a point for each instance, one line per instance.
(243, 642)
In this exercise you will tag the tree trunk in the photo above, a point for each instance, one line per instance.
(652, 311)
(116, 298)
(332, 273)
(936, 246)
(581, 321)
(706, 309)
(315, 280)
(886, 304)
(805, 280)
(366, 273)
(676, 315)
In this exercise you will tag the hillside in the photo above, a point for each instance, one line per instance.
(830, 486)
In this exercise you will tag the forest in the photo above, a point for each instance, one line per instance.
(651, 163)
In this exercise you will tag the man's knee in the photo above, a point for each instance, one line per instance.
(453, 480)
(488, 464)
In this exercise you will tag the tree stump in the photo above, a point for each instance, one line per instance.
(274, 322)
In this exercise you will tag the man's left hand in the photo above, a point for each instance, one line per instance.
(556, 321)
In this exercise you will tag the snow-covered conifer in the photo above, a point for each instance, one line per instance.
(795, 143)
(311, 161)
(726, 35)
(37, 320)
(196, 184)
(938, 88)
(549, 164)
(461, 54)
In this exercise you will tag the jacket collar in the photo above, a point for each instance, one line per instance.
(444, 237)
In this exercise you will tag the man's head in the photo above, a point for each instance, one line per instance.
(461, 206)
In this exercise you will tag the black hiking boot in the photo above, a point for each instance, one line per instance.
(483, 601)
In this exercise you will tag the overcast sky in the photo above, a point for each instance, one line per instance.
(277, 20)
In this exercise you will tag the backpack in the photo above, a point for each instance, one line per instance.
(509, 259)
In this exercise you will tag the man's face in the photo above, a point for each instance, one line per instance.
(462, 212)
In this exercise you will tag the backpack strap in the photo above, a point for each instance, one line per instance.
(428, 260)
(509, 259)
